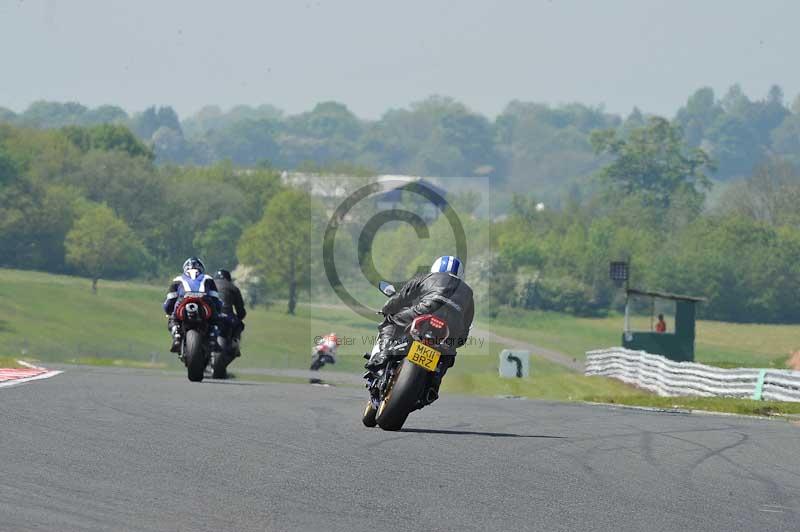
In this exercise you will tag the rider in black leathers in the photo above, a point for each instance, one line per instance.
(232, 301)
(443, 293)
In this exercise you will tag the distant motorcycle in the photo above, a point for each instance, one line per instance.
(405, 384)
(201, 342)
(320, 356)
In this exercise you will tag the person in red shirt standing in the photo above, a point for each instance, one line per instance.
(661, 326)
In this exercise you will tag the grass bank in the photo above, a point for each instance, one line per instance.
(57, 318)
(9, 362)
(708, 404)
(717, 343)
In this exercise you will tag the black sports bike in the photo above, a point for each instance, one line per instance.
(406, 383)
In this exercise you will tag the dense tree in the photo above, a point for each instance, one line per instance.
(279, 246)
(105, 114)
(653, 163)
(147, 122)
(326, 120)
(8, 169)
(697, 116)
(53, 114)
(57, 165)
(786, 138)
(212, 117)
(129, 185)
(170, 146)
(107, 137)
(528, 144)
(101, 245)
(217, 244)
(547, 147)
(734, 145)
(247, 142)
(771, 195)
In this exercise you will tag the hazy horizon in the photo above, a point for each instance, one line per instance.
(374, 56)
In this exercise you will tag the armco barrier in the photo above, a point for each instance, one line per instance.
(668, 378)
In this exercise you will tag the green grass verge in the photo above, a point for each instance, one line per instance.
(57, 318)
(9, 362)
(718, 343)
(709, 404)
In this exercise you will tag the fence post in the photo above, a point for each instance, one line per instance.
(759, 385)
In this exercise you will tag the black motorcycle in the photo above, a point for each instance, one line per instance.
(406, 383)
(201, 343)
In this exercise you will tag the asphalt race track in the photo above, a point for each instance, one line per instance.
(116, 449)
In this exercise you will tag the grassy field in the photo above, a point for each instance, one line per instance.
(57, 318)
(9, 362)
(717, 343)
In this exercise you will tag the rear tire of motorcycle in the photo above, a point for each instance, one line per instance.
(195, 356)
(402, 398)
(368, 418)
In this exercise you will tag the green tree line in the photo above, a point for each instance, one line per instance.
(527, 144)
(93, 200)
(647, 205)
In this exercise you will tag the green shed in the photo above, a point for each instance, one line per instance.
(676, 345)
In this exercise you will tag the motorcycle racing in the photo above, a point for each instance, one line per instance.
(193, 308)
(324, 352)
(424, 324)
(231, 323)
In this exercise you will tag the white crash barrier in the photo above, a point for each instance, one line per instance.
(668, 378)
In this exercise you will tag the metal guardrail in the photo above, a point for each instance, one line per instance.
(668, 378)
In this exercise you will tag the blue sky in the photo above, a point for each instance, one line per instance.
(372, 55)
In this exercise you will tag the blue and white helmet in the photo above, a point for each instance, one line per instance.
(193, 268)
(449, 264)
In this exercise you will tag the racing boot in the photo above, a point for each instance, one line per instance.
(376, 361)
(176, 339)
(379, 357)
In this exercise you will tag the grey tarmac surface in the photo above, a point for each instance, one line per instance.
(129, 450)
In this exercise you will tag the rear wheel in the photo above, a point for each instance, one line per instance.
(368, 418)
(402, 397)
(195, 355)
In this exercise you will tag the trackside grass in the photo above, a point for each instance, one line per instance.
(9, 362)
(57, 318)
(709, 404)
(718, 343)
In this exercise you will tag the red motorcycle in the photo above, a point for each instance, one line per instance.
(201, 341)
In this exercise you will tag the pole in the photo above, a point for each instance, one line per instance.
(652, 311)
(627, 311)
